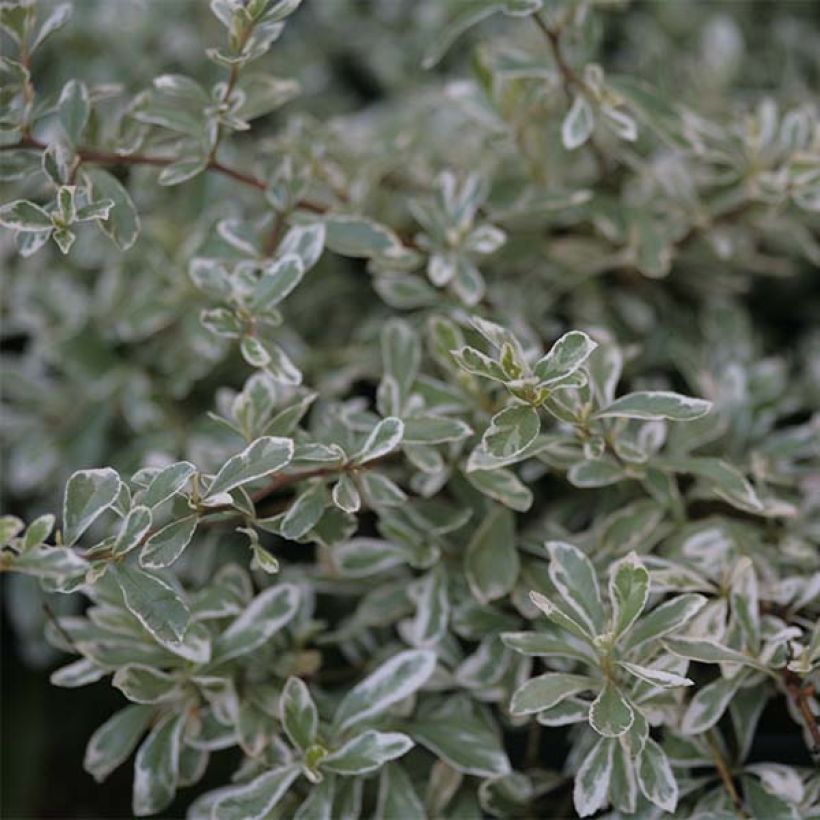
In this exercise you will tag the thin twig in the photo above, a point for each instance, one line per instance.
(725, 775)
(801, 694)
(571, 79)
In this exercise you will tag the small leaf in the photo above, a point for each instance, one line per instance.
(655, 404)
(346, 495)
(156, 767)
(297, 712)
(73, 109)
(168, 543)
(708, 705)
(578, 124)
(367, 752)
(666, 618)
(393, 681)
(510, 432)
(545, 691)
(277, 280)
(133, 530)
(112, 743)
(592, 781)
(23, 215)
(709, 651)
(168, 481)
(154, 602)
(575, 579)
(656, 778)
(181, 171)
(143, 684)
(304, 512)
(264, 456)
(358, 236)
(656, 677)
(264, 616)
(565, 357)
(491, 562)
(610, 713)
(479, 364)
(503, 486)
(255, 800)
(628, 592)
(383, 438)
(88, 493)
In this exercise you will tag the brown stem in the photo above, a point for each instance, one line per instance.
(801, 694)
(571, 78)
(725, 775)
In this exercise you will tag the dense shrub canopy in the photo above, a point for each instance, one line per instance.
(415, 403)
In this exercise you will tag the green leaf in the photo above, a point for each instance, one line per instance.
(560, 617)
(346, 495)
(73, 109)
(591, 787)
(181, 171)
(88, 494)
(628, 592)
(491, 562)
(278, 279)
(297, 713)
(479, 364)
(36, 532)
(304, 513)
(401, 355)
(432, 429)
(143, 684)
(54, 22)
(318, 805)
(706, 650)
(393, 681)
(367, 752)
(459, 735)
(600, 472)
(168, 481)
(255, 800)
(564, 357)
(264, 456)
(154, 602)
(708, 705)
(610, 714)
(574, 577)
(383, 438)
(578, 124)
(655, 404)
(656, 677)
(502, 486)
(168, 543)
(726, 481)
(156, 767)
(510, 432)
(429, 594)
(397, 797)
(132, 530)
(358, 236)
(655, 777)
(304, 241)
(664, 619)
(112, 743)
(544, 691)
(22, 215)
(264, 616)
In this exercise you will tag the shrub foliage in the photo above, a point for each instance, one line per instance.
(457, 461)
